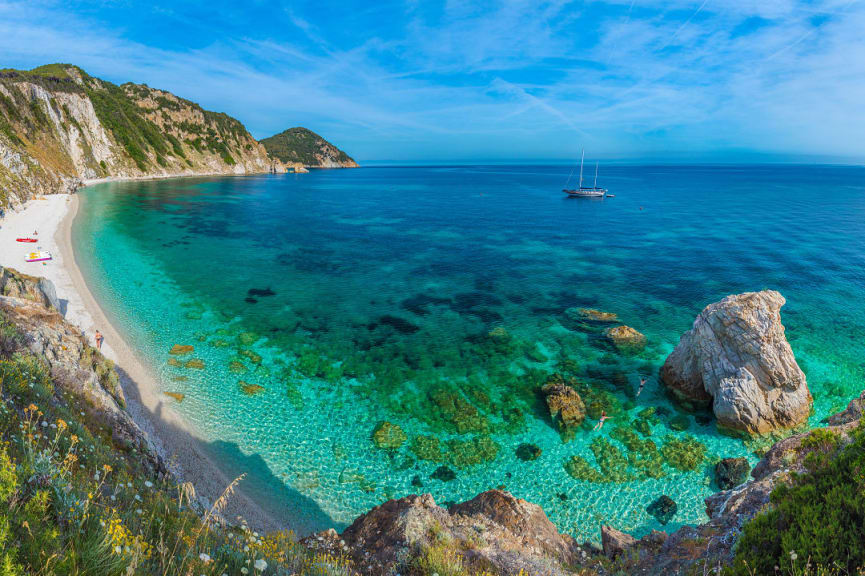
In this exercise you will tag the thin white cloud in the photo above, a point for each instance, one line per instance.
(510, 78)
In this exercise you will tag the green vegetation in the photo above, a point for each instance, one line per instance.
(815, 524)
(150, 126)
(304, 146)
(126, 121)
(73, 501)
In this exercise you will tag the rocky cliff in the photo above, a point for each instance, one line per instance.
(59, 125)
(305, 147)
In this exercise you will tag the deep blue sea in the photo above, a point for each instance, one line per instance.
(439, 299)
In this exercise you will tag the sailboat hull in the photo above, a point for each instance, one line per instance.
(586, 193)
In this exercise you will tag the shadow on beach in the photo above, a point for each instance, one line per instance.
(262, 498)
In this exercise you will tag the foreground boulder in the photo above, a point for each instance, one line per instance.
(736, 359)
(614, 542)
(493, 532)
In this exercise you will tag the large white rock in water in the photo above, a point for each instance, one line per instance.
(737, 360)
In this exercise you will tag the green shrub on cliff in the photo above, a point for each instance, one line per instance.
(818, 520)
(304, 146)
(75, 501)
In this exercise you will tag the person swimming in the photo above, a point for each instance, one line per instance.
(642, 385)
(601, 421)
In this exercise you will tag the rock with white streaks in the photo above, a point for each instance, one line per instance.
(737, 360)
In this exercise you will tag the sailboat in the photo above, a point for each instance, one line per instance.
(585, 191)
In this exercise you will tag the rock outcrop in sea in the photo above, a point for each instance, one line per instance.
(737, 360)
(565, 405)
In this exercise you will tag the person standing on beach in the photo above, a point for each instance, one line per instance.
(99, 338)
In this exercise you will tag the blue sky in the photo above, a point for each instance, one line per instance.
(413, 81)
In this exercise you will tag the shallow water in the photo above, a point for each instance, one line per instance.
(435, 298)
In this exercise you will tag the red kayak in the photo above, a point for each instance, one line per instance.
(27, 240)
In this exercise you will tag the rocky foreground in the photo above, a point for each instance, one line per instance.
(491, 533)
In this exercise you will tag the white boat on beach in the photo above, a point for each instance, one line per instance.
(38, 256)
(585, 191)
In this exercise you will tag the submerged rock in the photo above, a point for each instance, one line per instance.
(466, 453)
(458, 412)
(737, 360)
(680, 423)
(566, 407)
(579, 468)
(401, 325)
(663, 509)
(236, 367)
(444, 474)
(528, 452)
(388, 436)
(593, 315)
(252, 356)
(176, 395)
(685, 453)
(195, 364)
(731, 472)
(181, 349)
(427, 448)
(250, 389)
(625, 338)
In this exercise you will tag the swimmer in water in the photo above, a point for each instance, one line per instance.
(601, 421)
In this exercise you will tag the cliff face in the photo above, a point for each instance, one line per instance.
(58, 125)
(305, 147)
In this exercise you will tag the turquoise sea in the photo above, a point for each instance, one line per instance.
(437, 299)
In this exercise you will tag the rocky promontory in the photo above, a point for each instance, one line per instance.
(303, 148)
(737, 360)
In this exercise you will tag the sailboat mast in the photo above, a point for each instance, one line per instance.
(596, 174)
(582, 157)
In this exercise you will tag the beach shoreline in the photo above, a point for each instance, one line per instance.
(182, 449)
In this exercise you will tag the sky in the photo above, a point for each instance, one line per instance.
(524, 81)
